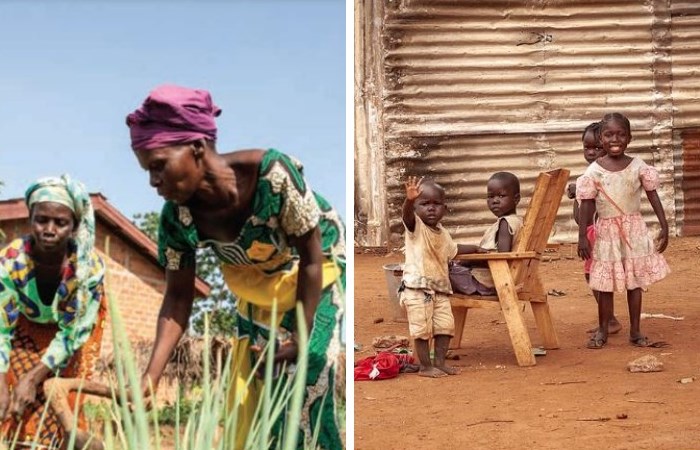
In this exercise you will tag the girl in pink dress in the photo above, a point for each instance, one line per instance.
(592, 150)
(624, 257)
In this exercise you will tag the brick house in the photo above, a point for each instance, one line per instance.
(134, 278)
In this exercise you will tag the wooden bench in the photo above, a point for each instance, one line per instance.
(516, 274)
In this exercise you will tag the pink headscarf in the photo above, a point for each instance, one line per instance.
(172, 115)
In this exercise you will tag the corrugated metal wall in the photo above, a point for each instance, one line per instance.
(509, 85)
(685, 30)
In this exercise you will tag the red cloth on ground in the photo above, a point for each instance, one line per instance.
(383, 366)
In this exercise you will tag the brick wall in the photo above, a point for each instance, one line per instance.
(133, 281)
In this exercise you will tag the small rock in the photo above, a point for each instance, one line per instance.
(621, 416)
(647, 363)
(379, 320)
(390, 341)
(686, 380)
(539, 351)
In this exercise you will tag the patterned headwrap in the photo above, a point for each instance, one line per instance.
(173, 115)
(72, 194)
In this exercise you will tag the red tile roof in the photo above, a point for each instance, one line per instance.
(110, 216)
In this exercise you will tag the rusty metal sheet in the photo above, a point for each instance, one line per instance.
(509, 85)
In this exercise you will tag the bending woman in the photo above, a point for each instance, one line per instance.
(277, 241)
(51, 297)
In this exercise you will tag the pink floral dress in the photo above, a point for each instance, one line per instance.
(624, 254)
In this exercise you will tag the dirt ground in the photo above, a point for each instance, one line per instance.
(574, 397)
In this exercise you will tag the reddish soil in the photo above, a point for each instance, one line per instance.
(574, 397)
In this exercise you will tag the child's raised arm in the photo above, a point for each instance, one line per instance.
(413, 189)
(653, 197)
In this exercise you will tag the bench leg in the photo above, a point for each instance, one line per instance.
(544, 324)
(460, 315)
(508, 298)
(544, 319)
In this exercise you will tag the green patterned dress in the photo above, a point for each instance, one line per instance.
(260, 268)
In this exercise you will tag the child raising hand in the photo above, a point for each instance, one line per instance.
(426, 284)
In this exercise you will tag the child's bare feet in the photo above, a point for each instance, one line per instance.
(448, 370)
(431, 372)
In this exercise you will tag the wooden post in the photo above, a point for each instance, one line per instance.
(508, 297)
(460, 315)
(543, 318)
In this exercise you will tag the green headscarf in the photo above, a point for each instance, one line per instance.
(72, 194)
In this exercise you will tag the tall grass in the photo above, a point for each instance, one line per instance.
(211, 425)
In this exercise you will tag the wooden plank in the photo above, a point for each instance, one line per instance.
(467, 301)
(543, 318)
(530, 222)
(460, 315)
(528, 234)
(511, 311)
(491, 301)
(532, 297)
(544, 324)
(497, 255)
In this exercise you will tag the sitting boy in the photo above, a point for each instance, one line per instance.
(502, 198)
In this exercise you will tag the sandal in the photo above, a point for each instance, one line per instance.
(639, 341)
(556, 293)
(643, 341)
(596, 342)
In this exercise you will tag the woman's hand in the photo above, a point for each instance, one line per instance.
(287, 352)
(413, 188)
(149, 387)
(662, 240)
(4, 397)
(23, 395)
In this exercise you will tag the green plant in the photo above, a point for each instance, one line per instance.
(209, 424)
(97, 411)
(170, 413)
(205, 422)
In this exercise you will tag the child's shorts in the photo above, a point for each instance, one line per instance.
(429, 314)
(590, 234)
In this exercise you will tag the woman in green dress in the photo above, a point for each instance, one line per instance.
(277, 240)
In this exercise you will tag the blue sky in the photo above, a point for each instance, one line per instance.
(70, 71)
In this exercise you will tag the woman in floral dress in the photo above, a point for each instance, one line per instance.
(278, 243)
(52, 309)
